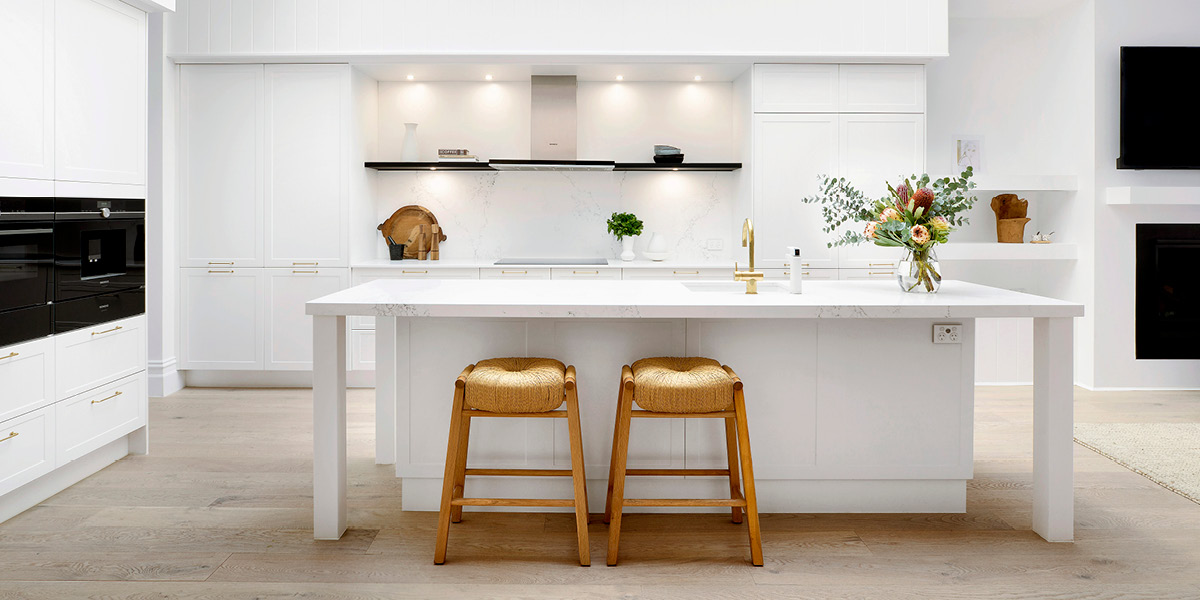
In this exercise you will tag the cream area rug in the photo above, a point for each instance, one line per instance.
(1166, 453)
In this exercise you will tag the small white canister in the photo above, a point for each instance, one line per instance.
(796, 280)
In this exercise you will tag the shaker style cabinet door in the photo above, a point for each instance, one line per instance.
(221, 166)
(99, 92)
(795, 88)
(306, 198)
(289, 337)
(790, 151)
(221, 318)
(27, 70)
(881, 89)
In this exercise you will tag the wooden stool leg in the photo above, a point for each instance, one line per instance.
(577, 474)
(731, 447)
(443, 532)
(460, 477)
(620, 455)
(743, 430)
(612, 461)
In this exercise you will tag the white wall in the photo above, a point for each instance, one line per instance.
(1121, 23)
(556, 27)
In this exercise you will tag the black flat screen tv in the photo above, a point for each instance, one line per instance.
(1160, 111)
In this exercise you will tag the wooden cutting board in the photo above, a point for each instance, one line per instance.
(402, 222)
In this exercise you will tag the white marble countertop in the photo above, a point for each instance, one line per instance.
(672, 299)
(476, 263)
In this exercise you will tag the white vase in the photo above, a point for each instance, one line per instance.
(408, 152)
(657, 243)
(627, 249)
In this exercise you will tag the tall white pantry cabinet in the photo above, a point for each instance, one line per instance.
(264, 167)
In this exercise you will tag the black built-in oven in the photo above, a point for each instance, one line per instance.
(100, 260)
(26, 268)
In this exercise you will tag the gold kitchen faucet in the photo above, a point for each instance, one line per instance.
(751, 277)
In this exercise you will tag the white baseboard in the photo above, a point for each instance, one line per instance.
(39, 490)
(164, 377)
(1099, 388)
(268, 379)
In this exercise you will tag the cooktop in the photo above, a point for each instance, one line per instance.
(552, 261)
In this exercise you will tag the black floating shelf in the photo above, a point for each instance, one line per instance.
(429, 166)
(651, 166)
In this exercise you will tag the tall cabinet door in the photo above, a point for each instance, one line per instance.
(99, 92)
(790, 151)
(306, 197)
(289, 330)
(27, 70)
(876, 150)
(221, 318)
(220, 157)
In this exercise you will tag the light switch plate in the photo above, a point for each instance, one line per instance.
(947, 333)
(714, 244)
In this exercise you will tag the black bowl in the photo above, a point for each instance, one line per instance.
(668, 158)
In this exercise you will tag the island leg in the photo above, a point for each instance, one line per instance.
(1053, 424)
(385, 390)
(329, 427)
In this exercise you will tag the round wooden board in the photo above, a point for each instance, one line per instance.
(401, 223)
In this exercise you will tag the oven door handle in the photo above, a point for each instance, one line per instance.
(26, 231)
(95, 216)
(26, 216)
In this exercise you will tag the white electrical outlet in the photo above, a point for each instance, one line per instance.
(714, 244)
(947, 333)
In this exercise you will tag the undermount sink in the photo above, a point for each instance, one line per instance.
(733, 287)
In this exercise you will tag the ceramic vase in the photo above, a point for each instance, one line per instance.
(657, 244)
(408, 152)
(627, 249)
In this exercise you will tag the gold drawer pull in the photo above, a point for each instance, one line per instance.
(687, 272)
(514, 272)
(212, 271)
(805, 273)
(881, 273)
(10, 436)
(115, 394)
(304, 264)
(10, 355)
(788, 273)
(219, 263)
(295, 271)
(413, 272)
(586, 272)
(117, 328)
(887, 264)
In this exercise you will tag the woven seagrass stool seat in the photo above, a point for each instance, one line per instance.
(511, 387)
(683, 387)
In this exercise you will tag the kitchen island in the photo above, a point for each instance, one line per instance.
(852, 406)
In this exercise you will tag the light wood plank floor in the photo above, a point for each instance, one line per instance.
(222, 509)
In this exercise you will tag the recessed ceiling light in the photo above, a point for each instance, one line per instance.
(410, 77)
(620, 78)
(488, 77)
(696, 78)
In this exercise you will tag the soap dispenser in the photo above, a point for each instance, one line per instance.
(796, 280)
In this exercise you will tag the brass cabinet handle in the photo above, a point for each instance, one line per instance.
(414, 272)
(789, 273)
(514, 272)
(219, 263)
(117, 328)
(115, 394)
(212, 271)
(304, 264)
(881, 273)
(887, 264)
(295, 271)
(805, 273)
(10, 436)
(585, 272)
(686, 272)
(10, 355)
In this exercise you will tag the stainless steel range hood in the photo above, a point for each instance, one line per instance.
(553, 130)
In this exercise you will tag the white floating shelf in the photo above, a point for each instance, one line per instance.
(998, 251)
(1153, 195)
(1026, 183)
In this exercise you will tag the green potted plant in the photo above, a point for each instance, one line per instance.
(625, 226)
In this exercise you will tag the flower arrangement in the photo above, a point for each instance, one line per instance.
(624, 224)
(917, 215)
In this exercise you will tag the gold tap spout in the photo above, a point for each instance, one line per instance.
(751, 277)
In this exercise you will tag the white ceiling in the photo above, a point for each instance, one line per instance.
(710, 72)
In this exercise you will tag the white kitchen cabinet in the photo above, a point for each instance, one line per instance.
(27, 370)
(307, 120)
(88, 421)
(221, 316)
(88, 357)
(585, 273)
(514, 273)
(790, 152)
(27, 108)
(288, 339)
(99, 92)
(221, 165)
(881, 89)
(863, 274)
(362, 349)
(786, 274)
(795, 88)
(26, 448)
(679, 274)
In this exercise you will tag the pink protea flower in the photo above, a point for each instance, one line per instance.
(890, 214)
(903, 192)
(920, 235)
(939, 224)
(870, 230)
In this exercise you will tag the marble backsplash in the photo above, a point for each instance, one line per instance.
(563, 214)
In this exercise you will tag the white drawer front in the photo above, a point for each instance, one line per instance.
(795, 88)
(86, 358)
(362, 350)
(513, 273)
(360, 276)
(26, 448)
(876, 273)
(882, 88)
(586, 273)
(26, 377)
(786, 274)
(681, 274)
(89, 421)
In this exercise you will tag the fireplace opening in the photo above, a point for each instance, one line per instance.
(1168, 291)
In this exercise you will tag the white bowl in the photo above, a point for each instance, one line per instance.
(656, 256)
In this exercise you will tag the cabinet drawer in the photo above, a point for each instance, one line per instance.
(858, 274)
(86, 358)
(362, 350)
(360, 276)
(89, 421)
(785, 274)
(680, 274)
(27, 373)
(795, 88)
(586, 273)
(26, 448)
(882, 88)
(513, 273)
